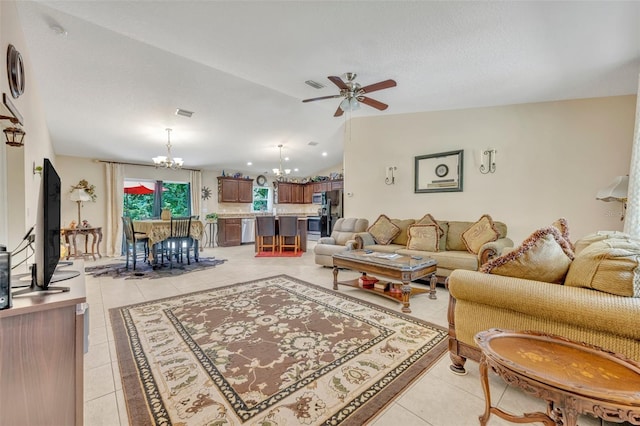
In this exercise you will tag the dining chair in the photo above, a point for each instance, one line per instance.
(288, 229)
(179, 239)
(132, 239)
(266, 228)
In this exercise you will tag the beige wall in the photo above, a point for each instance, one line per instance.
(19, 187)
(552, 159)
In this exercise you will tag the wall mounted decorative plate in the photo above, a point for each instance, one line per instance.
(15, 71)
(206, 193)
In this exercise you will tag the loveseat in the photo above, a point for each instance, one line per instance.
(341, 239)
(590, 294)
(454, 244)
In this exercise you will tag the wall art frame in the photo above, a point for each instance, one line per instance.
(441, 172)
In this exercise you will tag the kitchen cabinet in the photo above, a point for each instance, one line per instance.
(229, 231)
(235, 190)
(337, 184)
(297, 193)
(307, 194)
(284, 193)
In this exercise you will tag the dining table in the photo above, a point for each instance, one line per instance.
(158, 230)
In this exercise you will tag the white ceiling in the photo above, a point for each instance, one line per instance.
(111, 85)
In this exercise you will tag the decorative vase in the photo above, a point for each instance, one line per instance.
(166, 214)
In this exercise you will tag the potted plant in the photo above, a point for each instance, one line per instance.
(212, 217)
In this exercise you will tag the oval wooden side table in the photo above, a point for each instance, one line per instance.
(573, 378)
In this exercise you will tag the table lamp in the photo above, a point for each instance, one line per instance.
(79, 195)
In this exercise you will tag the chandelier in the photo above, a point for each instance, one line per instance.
(168, 161)
(280, 171)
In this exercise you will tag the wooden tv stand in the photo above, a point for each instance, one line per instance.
(41, 361)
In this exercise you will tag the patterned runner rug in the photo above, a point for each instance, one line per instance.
(275, 351)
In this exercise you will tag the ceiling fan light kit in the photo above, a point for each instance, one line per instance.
(353, 94)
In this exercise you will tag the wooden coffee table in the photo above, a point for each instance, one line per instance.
(573, 378)
(403, 268)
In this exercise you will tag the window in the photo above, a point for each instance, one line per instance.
(261, 200)
(140, 200)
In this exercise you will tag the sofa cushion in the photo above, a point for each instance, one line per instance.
(543, 256)
(587, 240)
(562, 226)
(454, 236)
(383, 230)
(447, 260)
(403, 224)
(610, 266)
(443, 229)
(480, 233)
(423, 237)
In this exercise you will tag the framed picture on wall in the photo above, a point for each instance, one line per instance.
(440, 172)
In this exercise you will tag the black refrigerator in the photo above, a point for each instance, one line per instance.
(330, 211)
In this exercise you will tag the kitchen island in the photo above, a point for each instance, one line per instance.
(230, 228)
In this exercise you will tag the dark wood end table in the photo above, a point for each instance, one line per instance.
(573, 378)
(403, 268)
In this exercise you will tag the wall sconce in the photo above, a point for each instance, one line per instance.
(14, 136)
(489, 153)
(390, 179)
(616, 191)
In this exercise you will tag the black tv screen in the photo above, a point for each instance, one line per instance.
(48, 227)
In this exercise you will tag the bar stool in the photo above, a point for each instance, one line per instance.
(266, 228)
(288, 228)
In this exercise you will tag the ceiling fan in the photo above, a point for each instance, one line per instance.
(353, 93)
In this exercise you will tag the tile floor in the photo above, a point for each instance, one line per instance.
(438, 398)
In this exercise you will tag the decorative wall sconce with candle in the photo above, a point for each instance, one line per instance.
(616, 191)
(390, 178)
(488, 161)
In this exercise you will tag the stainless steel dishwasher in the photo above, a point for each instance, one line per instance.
(248, 230)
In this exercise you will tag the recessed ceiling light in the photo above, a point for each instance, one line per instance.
(324, 154)
(286, 158)
(296, 170)
(184, 112)
(249, 163)
(314, 84)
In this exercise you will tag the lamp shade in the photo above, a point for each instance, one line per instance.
(616, 191)
(79, 194)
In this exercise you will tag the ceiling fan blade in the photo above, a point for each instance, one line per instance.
(378, 86)
(339, 112)
(373, 103)
(338, 82)
(321, 97)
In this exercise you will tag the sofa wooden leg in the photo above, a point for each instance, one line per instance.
(457, 364)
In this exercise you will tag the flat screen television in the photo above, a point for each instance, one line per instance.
(48, 234)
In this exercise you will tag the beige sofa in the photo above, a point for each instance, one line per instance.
(341, 239)
(596, 302)
(452, 253)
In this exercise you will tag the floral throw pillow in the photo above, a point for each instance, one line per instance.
(383, 230)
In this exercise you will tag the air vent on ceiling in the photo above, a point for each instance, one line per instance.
(314, 84)
(312, 143)
(184, 112)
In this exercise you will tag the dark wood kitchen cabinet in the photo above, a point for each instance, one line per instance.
(229, 231)
(233, 190)
(284, 193)
(307, 194)
(297, 193)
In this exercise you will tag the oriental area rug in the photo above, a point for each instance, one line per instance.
(275, 351)
(147, 271)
